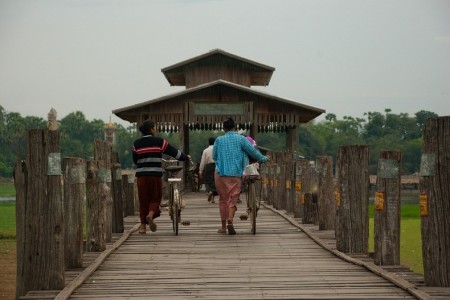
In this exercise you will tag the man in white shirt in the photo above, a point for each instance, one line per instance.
(207, 169)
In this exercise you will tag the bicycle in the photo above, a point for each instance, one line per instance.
(175, 198)
(251, 175)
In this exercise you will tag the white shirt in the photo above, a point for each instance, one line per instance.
(206, 158)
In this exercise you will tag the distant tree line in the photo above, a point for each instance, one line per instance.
(378, 130)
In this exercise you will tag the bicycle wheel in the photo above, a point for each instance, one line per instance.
(252, 205)
(176, 211)
(170, 204)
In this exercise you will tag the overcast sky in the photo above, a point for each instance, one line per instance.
(347, 57)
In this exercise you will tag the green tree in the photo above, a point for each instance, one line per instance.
(78, 135)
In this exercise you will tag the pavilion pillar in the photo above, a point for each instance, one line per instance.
(292, 142)
(254, 131)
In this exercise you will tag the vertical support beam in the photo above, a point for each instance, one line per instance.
(254, 131)
(435, 201)
(96, 198)
(282, 181)
(117, 208)
(289, 181)
(40, 213)
(74, 184)
(128, 194)
(301, 186)
(387, 209)
(352, 217)
(184, 141)
(325, 193)
(292, 136)
(103, 152)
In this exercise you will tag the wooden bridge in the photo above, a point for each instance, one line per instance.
(284, 260)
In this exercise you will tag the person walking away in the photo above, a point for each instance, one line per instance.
(207, 169)
(147, 155)
(230, 152)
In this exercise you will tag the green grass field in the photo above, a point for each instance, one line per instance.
(7, 189)
(8, 221)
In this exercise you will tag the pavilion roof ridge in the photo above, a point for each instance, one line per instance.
(216, 82)
(217, 51)
(175, 74)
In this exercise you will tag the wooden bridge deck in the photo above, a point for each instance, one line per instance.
(279, 262)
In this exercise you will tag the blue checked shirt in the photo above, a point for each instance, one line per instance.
(230, 152)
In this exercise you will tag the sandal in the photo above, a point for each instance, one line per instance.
(142, 229)
(151, 223)
(230, 228)
(222, 231)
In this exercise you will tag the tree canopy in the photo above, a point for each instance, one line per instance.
(386, 130)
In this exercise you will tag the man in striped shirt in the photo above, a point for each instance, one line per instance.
(147, 155)
(230, 152)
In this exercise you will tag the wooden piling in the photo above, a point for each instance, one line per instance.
(325, 193)
(96, 198)
(352, 217)
(435, 201)
(387, 209)
(117, 202)
(128, 194)
(103, 152)
(74, 187)
(40, 238)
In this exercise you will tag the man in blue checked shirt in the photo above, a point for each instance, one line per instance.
(230, 152)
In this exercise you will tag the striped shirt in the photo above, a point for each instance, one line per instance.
(230, 153)
(147, 155)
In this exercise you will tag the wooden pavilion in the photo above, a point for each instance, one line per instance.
(218, 85)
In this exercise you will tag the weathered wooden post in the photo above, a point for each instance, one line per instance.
(387, 209)
(276, 186)
(136, 198)
(352, 217)
(308, 205)
(325, 193)
(270, 185)
(282, 180)
(289, 184)
(97, 192)
(128, 194)
(299, 167)
(264, 171)
(40, 230)
(435, 201)
(117, 210)
(103, 152)
(74, 186)
(310, 210)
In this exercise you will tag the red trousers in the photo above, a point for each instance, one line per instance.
(150, 195)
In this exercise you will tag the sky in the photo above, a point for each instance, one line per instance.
(347, 57)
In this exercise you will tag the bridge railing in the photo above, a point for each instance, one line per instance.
(340, 202)
(50, 202)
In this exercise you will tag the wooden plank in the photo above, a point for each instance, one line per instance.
(284, 260)
(279, 262)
